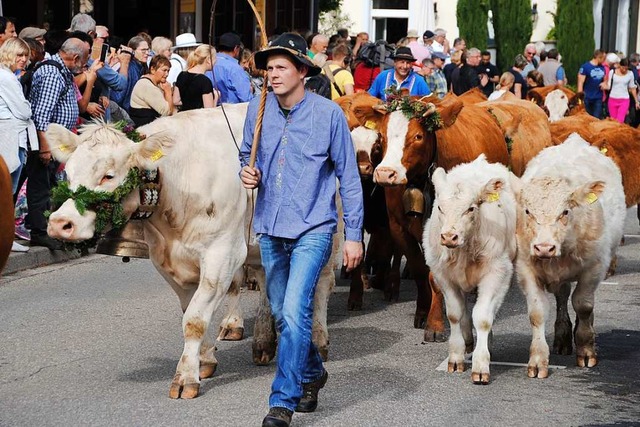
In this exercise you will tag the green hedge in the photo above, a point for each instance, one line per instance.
(513, 27)
(472, 18)
(574, 32)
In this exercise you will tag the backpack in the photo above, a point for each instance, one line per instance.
(376, 54)
(26, 80)
(332, 75)
(319, 84)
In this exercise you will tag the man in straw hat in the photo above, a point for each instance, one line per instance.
(304, 145)
(401, 76)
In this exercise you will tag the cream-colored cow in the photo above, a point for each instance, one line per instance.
(570, 219)
(470, 243)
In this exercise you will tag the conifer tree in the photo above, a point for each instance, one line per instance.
(574, 32)
(472, 18)
(513, 27)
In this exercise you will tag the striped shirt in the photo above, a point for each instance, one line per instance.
(52, 97)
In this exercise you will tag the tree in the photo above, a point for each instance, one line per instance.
(329, 5)
(513, 27)
(574, 32)
(472, 18)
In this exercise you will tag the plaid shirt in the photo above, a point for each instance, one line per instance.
(52, 97)
(437, 83)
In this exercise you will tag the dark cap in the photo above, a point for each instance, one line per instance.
(291, 44)
(403, 52)
(229, 40)
(429, 34)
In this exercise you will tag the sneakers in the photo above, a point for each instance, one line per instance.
(309, 400)
(46, 241)
(17, 247)
(277, 417)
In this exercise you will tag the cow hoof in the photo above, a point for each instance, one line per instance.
(455, 367)
(324, 353)
(186, 391)
(354, 304)
(207, 370)
(586, 361)
(252, 285)
(420, 320)
(230, 334)
(479, 378)
(562, 348)
(263, 353)
(434, 336)
(537, 372)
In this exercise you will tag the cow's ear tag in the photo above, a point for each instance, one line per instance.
(604, 150)
(370, 124)
(157, 155)
(493, 197)
(591, 198)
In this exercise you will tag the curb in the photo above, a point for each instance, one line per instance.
(37, 256)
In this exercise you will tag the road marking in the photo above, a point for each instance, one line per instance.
(609, 283)
(631, 235)
(445, 364)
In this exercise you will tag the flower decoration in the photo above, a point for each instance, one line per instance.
(129, 130)
(413, 109)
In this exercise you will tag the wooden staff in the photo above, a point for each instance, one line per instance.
(263, 94)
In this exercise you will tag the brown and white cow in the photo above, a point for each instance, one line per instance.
(7, 214)
(571, 213)
(557, 101)
(470, 243)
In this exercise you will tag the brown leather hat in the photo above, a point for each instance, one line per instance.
(291, 44)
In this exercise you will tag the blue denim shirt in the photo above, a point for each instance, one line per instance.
(231, 80)
(300, 157)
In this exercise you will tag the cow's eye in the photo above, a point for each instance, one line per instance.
(471, 209)
(107, 177)
(418, 137)
(565, 213)
(526, 211)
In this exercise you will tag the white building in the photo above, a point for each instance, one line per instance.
(616, 22)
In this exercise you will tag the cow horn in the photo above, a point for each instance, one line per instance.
(431, 108)
(381, 108)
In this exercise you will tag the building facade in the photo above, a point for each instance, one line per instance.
(168, 18)
(616, 21)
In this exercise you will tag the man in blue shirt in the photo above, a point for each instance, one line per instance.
(401, 76)
(304, 146)
(228, 76)
(590, 81)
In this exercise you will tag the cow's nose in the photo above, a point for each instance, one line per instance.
(366, 169)
(385, 176)
(60, 228)
(449, 240)
(544, 250)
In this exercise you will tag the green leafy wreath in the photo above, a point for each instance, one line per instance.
(412, 109)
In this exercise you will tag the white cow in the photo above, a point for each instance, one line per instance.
(557, 103)
(570, 219)
(470, 243)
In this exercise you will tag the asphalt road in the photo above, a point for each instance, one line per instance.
(95, 342)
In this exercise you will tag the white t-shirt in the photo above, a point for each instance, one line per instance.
(620, 85)
(178, 65)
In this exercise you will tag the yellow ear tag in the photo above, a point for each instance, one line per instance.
(604, 150)
(591, 198)
(493, 197)
(157, 155)
(63, 148)
(370, 124)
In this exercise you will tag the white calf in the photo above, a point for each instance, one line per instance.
(469, 243)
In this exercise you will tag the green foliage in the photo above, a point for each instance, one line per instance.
(574, 30)
(106, 205)
(329, 5)
(513, 27)
(426, 114)
(472, 18)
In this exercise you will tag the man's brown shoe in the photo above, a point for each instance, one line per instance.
(309, 400)
(277, 417)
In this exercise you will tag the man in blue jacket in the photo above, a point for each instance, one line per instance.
(401, 76)
(228, 76)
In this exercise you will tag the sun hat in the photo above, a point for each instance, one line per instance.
(291, 44)
(186, 40)
(412, 34)
(403, 52)
(32, 33)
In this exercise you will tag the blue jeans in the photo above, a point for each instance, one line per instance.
(292, 268)
(15, 175)
(594, 107)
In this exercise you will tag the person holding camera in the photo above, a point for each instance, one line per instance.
(338, 72)
(137, 68)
